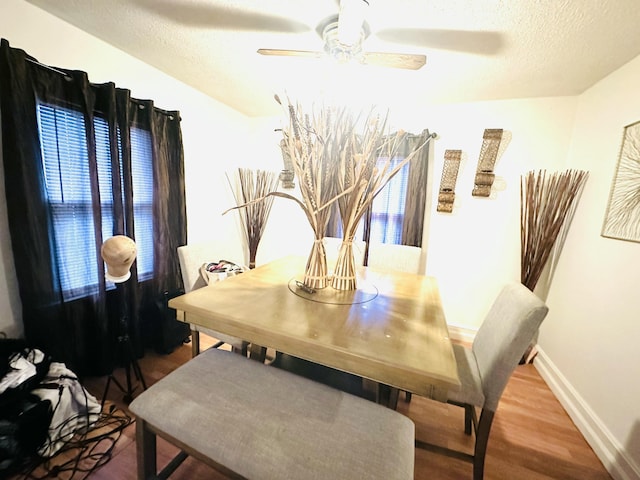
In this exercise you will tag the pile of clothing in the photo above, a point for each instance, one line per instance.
(42, 406)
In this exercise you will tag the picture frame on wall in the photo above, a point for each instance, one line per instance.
(622, 217)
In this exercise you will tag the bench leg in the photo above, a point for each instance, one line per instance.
(145, 451)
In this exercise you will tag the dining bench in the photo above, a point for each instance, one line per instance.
(253, 421)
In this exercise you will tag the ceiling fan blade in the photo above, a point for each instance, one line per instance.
(470, 41)
(395, 60)
(291, 53)
(206, 15)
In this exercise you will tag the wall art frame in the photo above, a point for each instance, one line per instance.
(622, 217)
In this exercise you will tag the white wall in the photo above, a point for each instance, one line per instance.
(476, 249)
(213, 134)
(589, 340)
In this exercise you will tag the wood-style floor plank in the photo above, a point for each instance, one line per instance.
(532, 437)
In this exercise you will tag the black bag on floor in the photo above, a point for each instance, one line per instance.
(24, 417)
(24, 428)
(161, 327)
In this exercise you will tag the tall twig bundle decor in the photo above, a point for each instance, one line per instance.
(250, 185)
(547, 205)
(313, 141)
(365, 167)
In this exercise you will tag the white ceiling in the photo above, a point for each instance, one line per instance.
(528, 48)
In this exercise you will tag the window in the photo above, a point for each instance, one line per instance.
(68, 191)
(387, 209)
(142, 176)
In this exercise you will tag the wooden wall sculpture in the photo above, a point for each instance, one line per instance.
(447, 194)
(488, 154)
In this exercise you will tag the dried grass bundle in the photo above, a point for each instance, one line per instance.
(313, 142)
(363, 176)
(547, 206)
(248, 186)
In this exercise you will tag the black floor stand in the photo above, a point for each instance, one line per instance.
(126, 354)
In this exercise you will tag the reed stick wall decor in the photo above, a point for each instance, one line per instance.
(248, 186)
(547, 204)
(447, 193)
(488, 154)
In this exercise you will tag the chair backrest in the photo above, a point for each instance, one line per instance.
(193, 256)
(388, 256)
(503, 337)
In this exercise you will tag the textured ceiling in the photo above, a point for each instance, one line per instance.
(476, 49)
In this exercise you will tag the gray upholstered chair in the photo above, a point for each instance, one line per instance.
(485, 368)
(192, 257)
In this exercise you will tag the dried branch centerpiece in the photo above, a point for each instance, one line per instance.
(312, 143)
(334, 161)
(366, 165)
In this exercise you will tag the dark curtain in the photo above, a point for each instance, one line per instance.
(82, 332)
(414, 206)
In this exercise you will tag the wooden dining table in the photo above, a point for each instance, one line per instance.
(391, 330)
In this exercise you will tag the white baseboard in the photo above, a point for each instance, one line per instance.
(610, 452)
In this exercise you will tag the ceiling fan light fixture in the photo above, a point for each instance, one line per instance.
(337, 50)
(347, 48)
(350, 21)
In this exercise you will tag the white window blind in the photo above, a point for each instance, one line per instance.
(68, 191)
(142, 177)
(387, 209)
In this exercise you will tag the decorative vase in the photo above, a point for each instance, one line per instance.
(315, 274)
(344, 274)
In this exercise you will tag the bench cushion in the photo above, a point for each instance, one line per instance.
(265, 423)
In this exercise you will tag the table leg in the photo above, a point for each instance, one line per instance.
(388, 396)
(384, 394)
(258, 353)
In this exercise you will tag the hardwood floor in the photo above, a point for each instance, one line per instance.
(532, 436)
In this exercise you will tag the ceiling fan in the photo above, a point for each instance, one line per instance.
(343, 37)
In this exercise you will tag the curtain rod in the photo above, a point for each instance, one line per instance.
(67, 76)
(46, 66)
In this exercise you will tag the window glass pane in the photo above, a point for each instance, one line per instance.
(67, 181)
(142, 177)
(103, 158)
(387, 210)
(68, 189)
